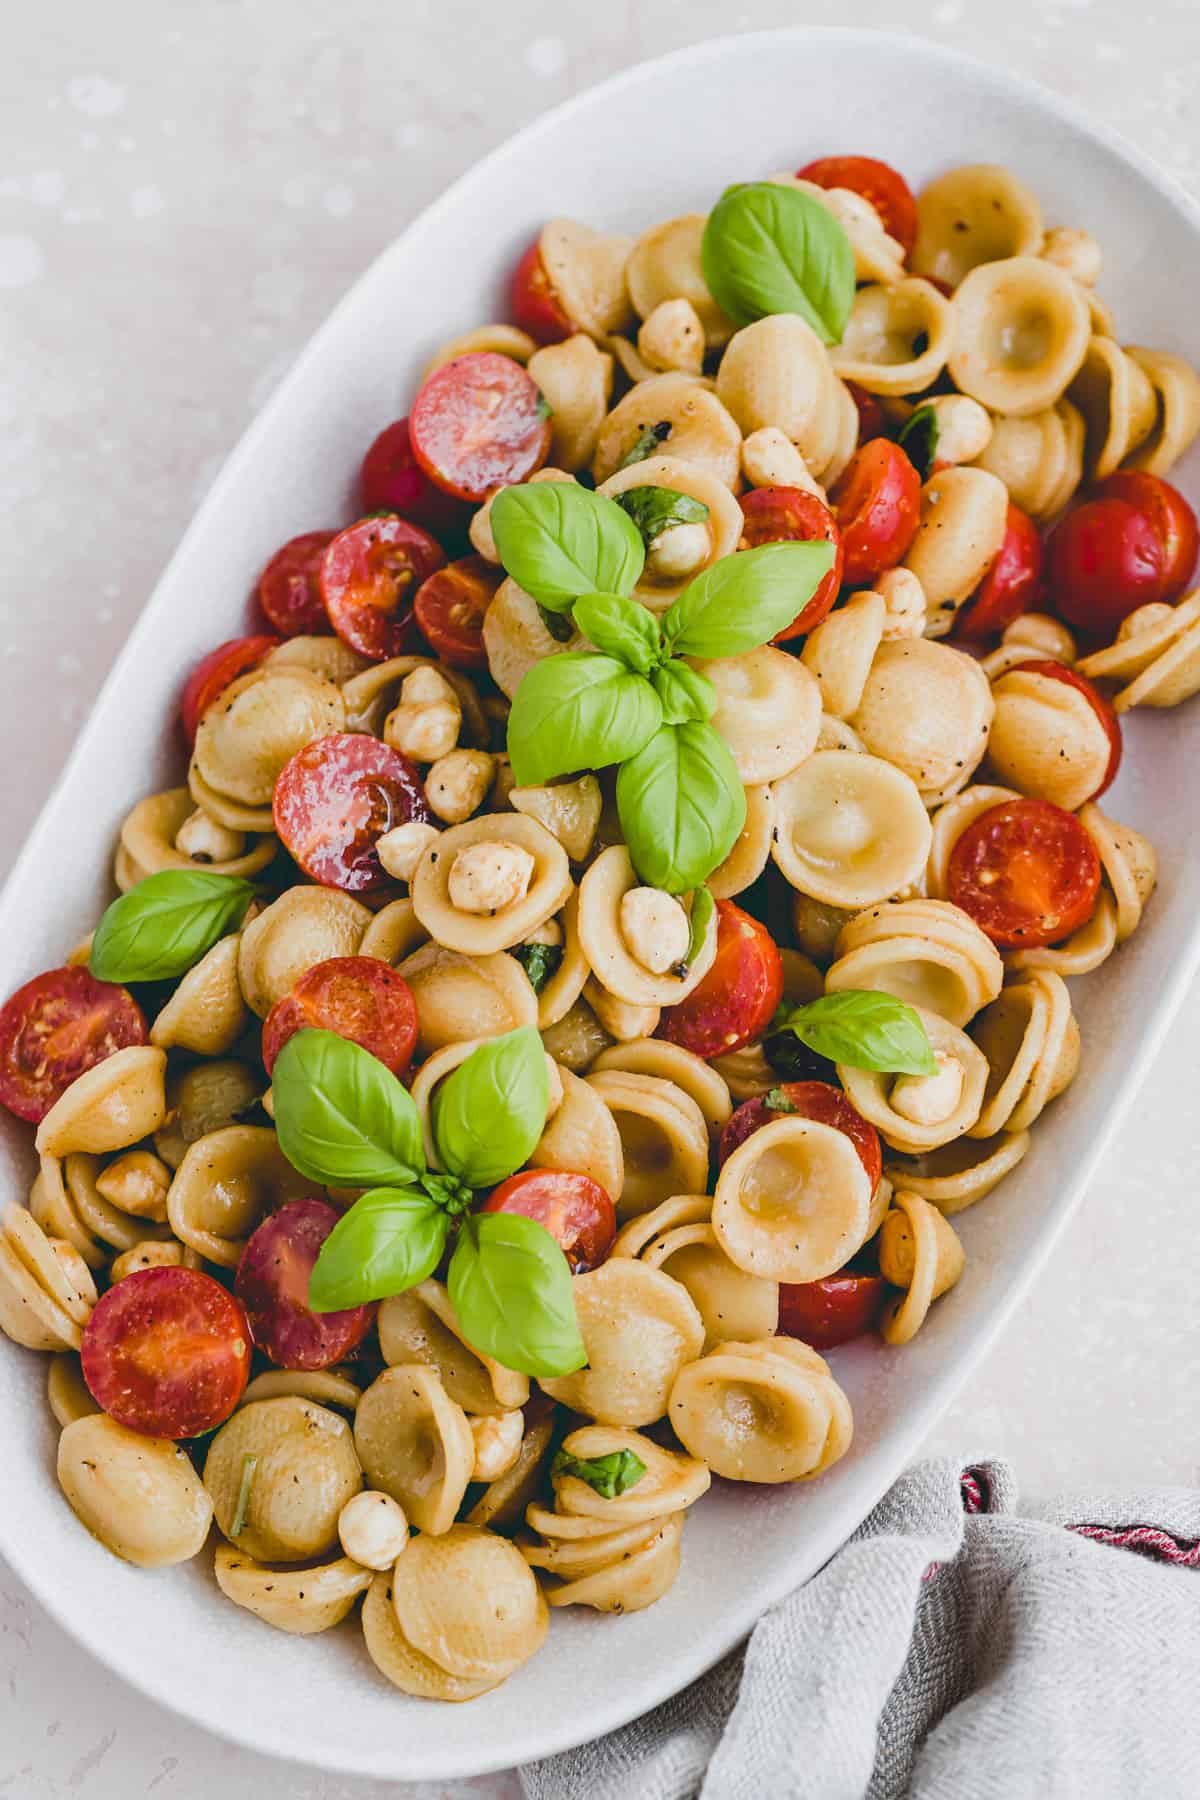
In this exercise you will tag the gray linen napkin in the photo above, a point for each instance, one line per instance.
(954, 1646)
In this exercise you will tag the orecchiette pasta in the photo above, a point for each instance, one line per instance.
(227, 1183)
(1156, 655)
(927, 709)
(778, 372)
(850, 829)
(1047, 738)
(206, 1013)
(1031, 1041)
(576, 379)
(139, 1496)
(678, 1238)
(956, 1175)
(914, 1113)
(165, 831)
(421, 1326)
(664, 265)
(690, 422)
(484, 914)
(1118, 403)
(304, 1471)
(305, 926)
(640, 1328)
(897, 338)
(768, 711)
(671, 565)
(919, 1252)
(415, 1444)
(764, 1411)
(1177, 386)
(664, 1138)
(927, 952)
(793, 1202)
(1021, 334)
(111, 1106)
(587, 270)
(964, 513)
(980, 213)
(1038, 456)
(300, 1601)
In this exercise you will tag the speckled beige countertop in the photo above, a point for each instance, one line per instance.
(184, 192)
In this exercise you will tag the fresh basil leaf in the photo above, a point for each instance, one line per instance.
(609, 1476)
(544, 408)
(919, 439)
(510, 1285)
(684, 692)
(163, 926)
(539, 961)
(621, 628)
(646, 444)
(864, 1030)
(558, 541)
(655, 509)
(490, 1112)
(703, 908)
(777, 1101)
(341, 1117)
(768, 248)
(559, 625)
(578, 711)
(681, 806)
(743, 600)
(390, 1239)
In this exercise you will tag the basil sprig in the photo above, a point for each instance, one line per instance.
(768, 248)
(918, 438)
(861, 1029)
(647, 443)
(681, 805)
(655, 509)
(558, 541)
(609, 1476)
(540, 962)
(162, 927)
(344, 1120)
(578, 711)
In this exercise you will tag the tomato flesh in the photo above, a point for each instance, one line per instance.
(1103, 561)
(778, 515)
(58, 1025)
(574, 1209)
(450, 608)
(877, 182)
(737, 998)
(1054, 671)
(877, 501)
(1027, 872)
(167, 1352)
(831, 1311)
(479, 423)
(272, 1285)
(214, 672)
(289, 588)
(392, 480)
(336, 798)
(358, 997)
(369, 577)
(534, 304)
(817, 1100)
(1012, 585)
(1172, 519)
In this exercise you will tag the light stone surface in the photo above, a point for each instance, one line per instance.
(184, 192)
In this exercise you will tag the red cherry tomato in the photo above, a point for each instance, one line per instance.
(369, 577)
(826, 1313)
(359, 997)
(535, 306)
(1027, 872)
(478, 423)
(289, 591)
(877, 182)
(1173, 520)
(778, 515)
(213, 674)
(1103, 561)
(877, 501)
(450, 606)
(575, 1210)
(737, 999)
(272, 1285)
(817, 1100)
(391, 480)
(336, 798)
(869, 410)
(167, 1352)
(1012, 585)
(1054, 671)
(53, 1029)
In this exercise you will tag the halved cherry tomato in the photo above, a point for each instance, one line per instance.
(877, 182)
(1027, 872)
(1012, 585)
(392, 480)
(870, 412)
(811, 1100)
(335, 799)
(877, 501)
(450, 606)
(826, 1313)
(1103, 561)
(1054, 671)
(272, 1285)
(1172, 518)
(575, 1210)
(737, 999)
(369, 577)
(214, 672)
(167, 1352)
(536, 307)
(477, 423)
(289, 591)
(360, 997)
(779, 515)
(53, 1029)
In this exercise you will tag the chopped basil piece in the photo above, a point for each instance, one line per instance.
(539, 961)
(777, 1101)
(655, 509)
(647, 444)
(610, 1476)
(919, 440)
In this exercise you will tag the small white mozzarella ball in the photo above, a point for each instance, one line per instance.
(137, 1183)
(964, 428)
(203, 840)
(479, 530)
(929, 1099)
(401, 849)
(672, 337)
(485, 878)
(770, 459)
(457, 784)
(424, 686)
(497, 1444)
(1046, 636)
(425, 732)
(1143, 618)
(1075, 252)
(548, 932)
(678, 551)
(904, 598)
(655, 927)
(372, 1529)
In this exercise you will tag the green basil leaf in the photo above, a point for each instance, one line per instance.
(703, 908)
(342, 1118)
(777, 1101)
(919, 439)
(578, 711)
(163, 926)
(558, 541)
(684, 692)
(489, 1114)
(539, 961)
(621, 628)
(681, 806)
(390, 1239)
(743, 600)
(510, 1285)
(648, 443)
(655, 509)
(768, 248)
(609, 1476)
(863, 1030)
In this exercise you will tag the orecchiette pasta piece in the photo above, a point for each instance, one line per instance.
(586, 269)
(305, 926)
(110, 1106)
(1021, 334)
(793, 1201)
(421, 1326)
(638, 1233)
(300, 1601)
(669, 1062)
(927, 709)
(639, 1330)
(1118, 403)
(1042, 634)
(915, 1113)
(468, 1601)
(46, 1289)
(633, 1579)
(1031, 1042)
(752, 851)
(768, 711)
(747, 1072)
(459, 996)
(324, 1387)
(766, 1411)
(582, 1137)
(139, 1496)
(950, 821)
(920, 1252)
(570, 1559)
(731, 1302)
(204, 1098)
(325, 656)
(621, 1020)
(1047, 739)
(394, 932)
(436, 896)
(400, 1662)
(1038, 457)
(563, 988)
(692, 424)
(841, 649)
(259, 723)
(1074, 251)
(672, 338)
(1082, 952)
(664, 264)
(67, 1393)
(877, 255)
(500, 340)
(224, 1188)
(850, 829)
(415, 1444)
(108, 1206)
(770, 459)
(372, 696)
(151, 840)
(504, 1500)
(612, 962)
(897, 338)
(577, 1039)
(206, 1013)
(964, 515)
(1156, 655)
(53, 1206)
(576, 379)
(664, 1138)
(1178, 389)
(955, 1176)
(778, 372)
(978, 213)
(927, 952)
(964, 428)
(678, 555)
(633, 364)
(569, 810)
(671, 1482)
